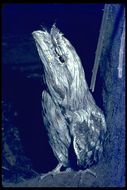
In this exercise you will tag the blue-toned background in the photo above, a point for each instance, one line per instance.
(80, 23)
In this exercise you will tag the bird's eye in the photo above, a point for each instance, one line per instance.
(62, 60)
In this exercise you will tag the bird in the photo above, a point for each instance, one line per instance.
(76, 126)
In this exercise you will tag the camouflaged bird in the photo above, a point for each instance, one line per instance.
(70, 113)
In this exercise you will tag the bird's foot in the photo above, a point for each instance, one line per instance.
(82, 172)
(53, 172)
(90, 171)
(56, 171)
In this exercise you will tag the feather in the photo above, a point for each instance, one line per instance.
(72, 118)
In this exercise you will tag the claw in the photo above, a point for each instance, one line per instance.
(83, 172)
(91, 172)
(53, 172)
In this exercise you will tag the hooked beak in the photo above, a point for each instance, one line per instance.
(43, 43)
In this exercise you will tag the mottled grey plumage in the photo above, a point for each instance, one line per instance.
(70, 113)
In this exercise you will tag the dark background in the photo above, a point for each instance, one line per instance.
(80, 23)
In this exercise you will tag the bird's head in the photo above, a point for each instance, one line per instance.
(55, 50)
(51, 47)
(59, 58)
